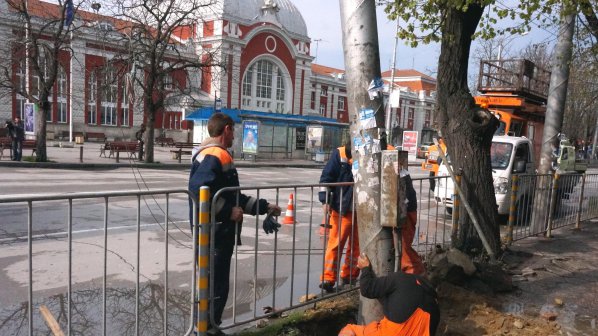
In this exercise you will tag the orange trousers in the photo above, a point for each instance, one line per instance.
(411, 262)
(348, 232)
(417, 325)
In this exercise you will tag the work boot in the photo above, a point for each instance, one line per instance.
(327, 286)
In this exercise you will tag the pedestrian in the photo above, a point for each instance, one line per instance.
(16, 132)
(339, 204)
(140, 141)
(212, 166)
(409, 303)
(411, 262)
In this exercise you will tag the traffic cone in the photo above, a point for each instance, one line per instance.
(289, 217)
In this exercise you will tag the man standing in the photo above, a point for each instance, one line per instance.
(408, 301)
(139, 137)
(17, 135)
(340, 205)
(212, 166)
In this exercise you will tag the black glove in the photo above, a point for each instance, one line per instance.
(270, 225)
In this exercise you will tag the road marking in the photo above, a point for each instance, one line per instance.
(54, 234)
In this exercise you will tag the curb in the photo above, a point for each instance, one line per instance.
(158, 166)
(136, 165)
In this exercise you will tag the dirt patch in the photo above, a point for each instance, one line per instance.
(464, 312)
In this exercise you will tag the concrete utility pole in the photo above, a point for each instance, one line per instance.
(555, 109)
(362, 64)
(557, 94)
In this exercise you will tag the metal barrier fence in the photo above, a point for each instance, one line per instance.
(280, 271)
(277, 272)
(121, 225)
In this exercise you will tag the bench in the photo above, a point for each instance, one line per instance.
(114, 148)
(96, 136)
(183, 148)
(165, 141)
(6, 143)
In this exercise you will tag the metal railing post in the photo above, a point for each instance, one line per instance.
(580, 205)
(203, 259)
(552, 206)
(456, 206)
(512, 209)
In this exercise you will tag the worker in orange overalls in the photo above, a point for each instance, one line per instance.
(408, 301)
(411, 262)
(339, 202)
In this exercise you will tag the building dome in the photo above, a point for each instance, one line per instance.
(280, 12)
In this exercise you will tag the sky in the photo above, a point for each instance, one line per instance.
(322, 18)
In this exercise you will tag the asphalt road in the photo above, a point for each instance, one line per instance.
(270, 270)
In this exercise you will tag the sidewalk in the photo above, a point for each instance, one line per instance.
(69, 158)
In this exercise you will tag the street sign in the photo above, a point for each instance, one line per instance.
(410, 142)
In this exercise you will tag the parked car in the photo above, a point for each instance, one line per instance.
(422, 151)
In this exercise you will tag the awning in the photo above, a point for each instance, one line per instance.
(270, 118)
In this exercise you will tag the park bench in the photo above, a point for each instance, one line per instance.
(6, 143)
(183, 148)
(165, 141)
(96, 136)
(114, 148)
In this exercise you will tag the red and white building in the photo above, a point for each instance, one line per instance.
(265, 48)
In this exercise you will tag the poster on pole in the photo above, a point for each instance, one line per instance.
(410, 142)
(250, 136)
(30, 111)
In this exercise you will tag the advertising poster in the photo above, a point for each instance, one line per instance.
(250, 136)
(410, 142)
(314, 137)
(29, 120)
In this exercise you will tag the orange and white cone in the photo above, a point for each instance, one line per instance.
(289, 217)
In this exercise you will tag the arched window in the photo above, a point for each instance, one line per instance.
(265, 88)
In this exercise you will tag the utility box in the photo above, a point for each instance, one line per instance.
(79, 140)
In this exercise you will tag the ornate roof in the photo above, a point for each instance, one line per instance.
(282, 13)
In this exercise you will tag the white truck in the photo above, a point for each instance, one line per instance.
(513, 155)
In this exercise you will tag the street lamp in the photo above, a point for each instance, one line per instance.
(505, 41)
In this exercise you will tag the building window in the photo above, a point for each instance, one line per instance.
(264, 79)
(92, 113)
(37, 80)
(322, 109)
(61, 96)
(168, 81)
(109, 98)
(313, 100)
(324, 91)
(247, 82)
(427, 118)
(124, 106)
(341, 103)
(265, 87)
(21, 100)
(172, 120)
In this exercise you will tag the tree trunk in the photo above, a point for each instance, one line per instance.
(41, 154)
(362, 62)
(149, 136)
(467, 131)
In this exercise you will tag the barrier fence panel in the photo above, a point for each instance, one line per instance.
(118, 263)
(106, 263)
(271, 273)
